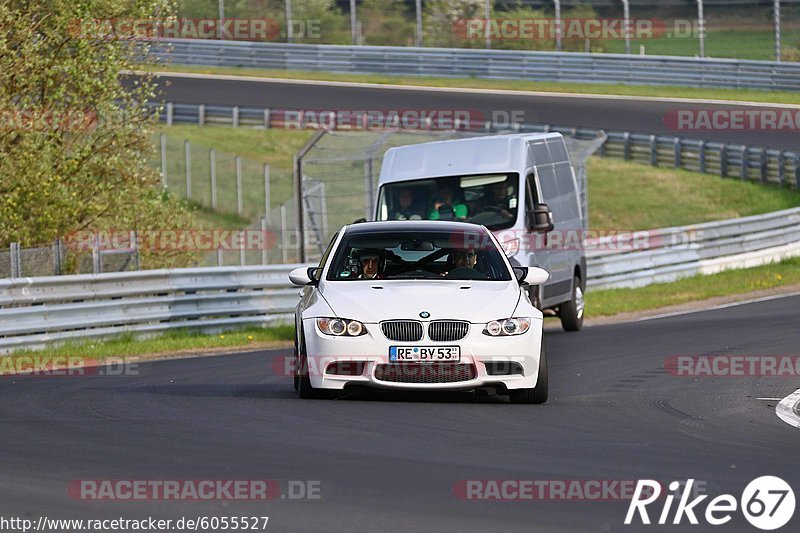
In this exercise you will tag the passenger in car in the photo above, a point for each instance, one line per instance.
(448, 204)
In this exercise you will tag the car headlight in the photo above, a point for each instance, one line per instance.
(339, 327)
(507, 326)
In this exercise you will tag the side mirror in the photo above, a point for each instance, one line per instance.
(540, 219)
(531, 275)
(304, 276)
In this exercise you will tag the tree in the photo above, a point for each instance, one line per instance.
(74, 144)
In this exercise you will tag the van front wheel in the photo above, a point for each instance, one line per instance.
(571, 312)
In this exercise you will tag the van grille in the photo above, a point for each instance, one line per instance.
(447, 330)
(402, 330)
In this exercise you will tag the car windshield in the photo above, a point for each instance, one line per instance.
(490, 200)
(470, 255)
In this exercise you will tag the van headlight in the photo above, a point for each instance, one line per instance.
(505, 327)
(340, 327)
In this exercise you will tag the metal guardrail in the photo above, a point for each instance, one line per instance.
(663, 255)
(38, 311)
(747, 163)
(571, 67)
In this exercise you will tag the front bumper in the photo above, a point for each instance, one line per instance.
(372, 349)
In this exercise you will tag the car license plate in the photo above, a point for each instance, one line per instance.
(429, 354)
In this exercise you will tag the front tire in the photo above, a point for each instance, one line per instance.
(304, 388)
(538, 394)
(571, 312)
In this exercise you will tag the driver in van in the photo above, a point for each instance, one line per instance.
(497, 199)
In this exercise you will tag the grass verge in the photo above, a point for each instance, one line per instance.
(776, 97)
(693, 289)
(173, 343)
(632, 196)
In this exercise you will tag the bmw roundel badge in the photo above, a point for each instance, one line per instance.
(424, 314)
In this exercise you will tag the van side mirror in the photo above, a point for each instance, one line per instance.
(540, 219)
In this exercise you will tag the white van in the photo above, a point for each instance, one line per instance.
(521, 186)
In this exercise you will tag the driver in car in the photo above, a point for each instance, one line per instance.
(371, 261)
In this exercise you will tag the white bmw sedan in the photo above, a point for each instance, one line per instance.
(418, 305)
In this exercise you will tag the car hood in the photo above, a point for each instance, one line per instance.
(474, 301)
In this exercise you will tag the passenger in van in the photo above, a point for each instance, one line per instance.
(407, 208)
(496, 198)
(448, 204)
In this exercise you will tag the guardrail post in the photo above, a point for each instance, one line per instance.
(266, 118)
(212, 162)
(16, 264)
(267, 199)
(653, 151)
(235, 118)
(626, 146)
(797, 171)
(163, 160)
(745, 163)
(602, 150)
(135, 245)
(678, 153)
(56, 251)
(264, 242)
(239, 197)
(242, 245)
(201, 115)
(97, 262)
(187, 152)
(763, 161)
(170, 113)
(220, 258)
(284, 250)
(701, 157)
(723, 161)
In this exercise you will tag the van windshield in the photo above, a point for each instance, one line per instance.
(489, 199)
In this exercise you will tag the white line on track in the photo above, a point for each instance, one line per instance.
(466, 90)
(787, 409)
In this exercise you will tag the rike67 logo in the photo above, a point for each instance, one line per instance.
(767, 503)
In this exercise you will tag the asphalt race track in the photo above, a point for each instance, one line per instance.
(389, 462)
(585, 111)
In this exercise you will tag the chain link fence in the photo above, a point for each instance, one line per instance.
(741, 29)
(348, 165)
